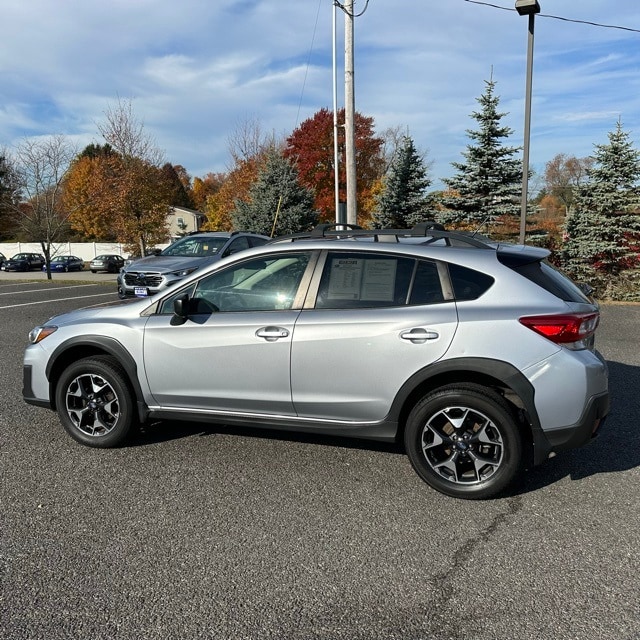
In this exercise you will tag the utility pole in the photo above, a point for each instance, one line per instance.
(349, 114)
(336, 136)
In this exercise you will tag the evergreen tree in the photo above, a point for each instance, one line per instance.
(9, 196)
(277, 204)
(177, 193)
(489, 184)
(603, 229)
(403, 202)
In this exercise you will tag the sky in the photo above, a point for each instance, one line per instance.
(195, 71)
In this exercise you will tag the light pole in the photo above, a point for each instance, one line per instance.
(527, 8)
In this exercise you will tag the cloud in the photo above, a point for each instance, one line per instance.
(195, 69)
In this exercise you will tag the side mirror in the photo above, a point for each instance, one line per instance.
(180, 310)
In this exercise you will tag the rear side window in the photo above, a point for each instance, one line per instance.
(468, 284)
(426, 285)
(364, 280)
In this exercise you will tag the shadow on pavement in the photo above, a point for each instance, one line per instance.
(617, 448)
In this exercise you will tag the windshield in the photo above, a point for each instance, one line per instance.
(195, 247)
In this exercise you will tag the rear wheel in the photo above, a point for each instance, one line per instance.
(464, 441)
(95, 403)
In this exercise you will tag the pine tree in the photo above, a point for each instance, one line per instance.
(276, 201)
(488, 184)
(403, 202)
(603, 229)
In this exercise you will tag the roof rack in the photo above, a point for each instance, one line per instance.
(428, 229)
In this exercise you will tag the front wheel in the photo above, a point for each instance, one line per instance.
(95, 403)
(464, 441)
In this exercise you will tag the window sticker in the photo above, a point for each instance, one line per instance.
(362, 279)
(379, 280)
(345, 279)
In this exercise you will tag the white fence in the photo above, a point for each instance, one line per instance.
(85, 250)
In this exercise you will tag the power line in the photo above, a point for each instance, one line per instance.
(306, 71)
(351, 15)
(545, 15)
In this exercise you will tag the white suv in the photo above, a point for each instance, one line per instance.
(156, 272)
(479, 357)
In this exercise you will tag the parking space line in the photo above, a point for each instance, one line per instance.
(74, 286)
(27, 304)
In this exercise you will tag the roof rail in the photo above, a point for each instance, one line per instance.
(429, 229)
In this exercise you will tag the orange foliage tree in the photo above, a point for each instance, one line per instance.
(310, 147)
(236, 186)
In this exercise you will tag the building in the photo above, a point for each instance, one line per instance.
(181, 221)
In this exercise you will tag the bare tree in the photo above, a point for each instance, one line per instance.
(126, 134)
(249, 141)
(564, 174)
(40, 165)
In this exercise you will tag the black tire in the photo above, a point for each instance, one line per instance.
(93, 270)
(95, 402)
(463, 440)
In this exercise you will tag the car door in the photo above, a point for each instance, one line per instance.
(377, 318)
(232, 352)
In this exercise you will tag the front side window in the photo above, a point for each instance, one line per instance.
(259, 284)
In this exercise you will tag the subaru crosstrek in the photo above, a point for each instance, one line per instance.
(151, 274)
(478, 356)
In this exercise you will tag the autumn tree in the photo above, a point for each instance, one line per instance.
(310, 146)
(488, 184)
(88, 187)
(603, 227)
(404, 201)
(277, 203)
(120, 189)
(40, 166)
(204, 187)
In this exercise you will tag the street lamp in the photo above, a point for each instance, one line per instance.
(527, 8)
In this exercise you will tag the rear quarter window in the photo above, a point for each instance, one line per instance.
(468, 284)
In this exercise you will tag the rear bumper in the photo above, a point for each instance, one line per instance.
(576, 435)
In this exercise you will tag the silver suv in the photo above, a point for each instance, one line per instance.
(478, 356)
(151, 274)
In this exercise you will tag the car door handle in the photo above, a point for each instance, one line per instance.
(419, 336)
(271, 334)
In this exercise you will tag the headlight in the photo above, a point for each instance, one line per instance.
(183, 272)
(40, 333)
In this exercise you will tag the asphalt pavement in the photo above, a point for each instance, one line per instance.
(203, 532)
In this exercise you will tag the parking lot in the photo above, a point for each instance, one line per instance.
(207, 532)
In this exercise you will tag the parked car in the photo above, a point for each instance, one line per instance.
(65, 263)
(24, 262)
(479, 357)
(110, 263)
(2, 259)
(133, 257)
(151, 274)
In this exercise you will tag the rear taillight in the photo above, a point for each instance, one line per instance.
(570, 330)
